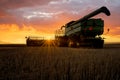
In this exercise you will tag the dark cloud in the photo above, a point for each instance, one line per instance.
(43, 12)
(21, 3)
(10, 10)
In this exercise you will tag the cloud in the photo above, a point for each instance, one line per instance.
(46, 16)
(21, 3)
(14, 34)
(3, 13)
(29, 11)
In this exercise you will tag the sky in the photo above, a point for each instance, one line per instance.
(21, 18)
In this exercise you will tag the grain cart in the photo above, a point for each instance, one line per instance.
(86, 31)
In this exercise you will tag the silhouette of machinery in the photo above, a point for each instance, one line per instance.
(35, 41)
(86, 31)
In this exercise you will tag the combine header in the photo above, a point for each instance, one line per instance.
(39, 41)
(86, 31)
(35, 41)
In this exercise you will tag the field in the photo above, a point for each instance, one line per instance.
(53, 63)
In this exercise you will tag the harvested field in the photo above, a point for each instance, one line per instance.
(54, 63)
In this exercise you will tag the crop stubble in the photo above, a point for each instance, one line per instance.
(53, 63)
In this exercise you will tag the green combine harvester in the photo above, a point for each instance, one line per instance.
(86, 31)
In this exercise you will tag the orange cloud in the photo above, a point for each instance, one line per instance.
(111, 39)
(13, 34)
(113, 36)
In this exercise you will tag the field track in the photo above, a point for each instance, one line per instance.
(54, 63)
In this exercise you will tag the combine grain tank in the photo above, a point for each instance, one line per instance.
(86, 31)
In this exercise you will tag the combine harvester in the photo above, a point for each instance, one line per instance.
(86, 31)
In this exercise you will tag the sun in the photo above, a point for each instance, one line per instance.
(49, 37)
(49, 41)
